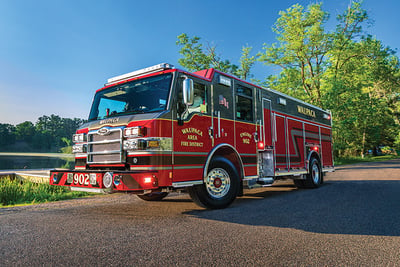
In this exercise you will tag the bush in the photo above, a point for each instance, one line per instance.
(14, 191)
(11, 191)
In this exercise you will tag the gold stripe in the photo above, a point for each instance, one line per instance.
(150, 168)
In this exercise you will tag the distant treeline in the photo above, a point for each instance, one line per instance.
(48, 134)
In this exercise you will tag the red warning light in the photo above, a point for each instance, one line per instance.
(315, 148)
(261, 145)
(148, 180)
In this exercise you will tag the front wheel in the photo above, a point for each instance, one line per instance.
(220, 187)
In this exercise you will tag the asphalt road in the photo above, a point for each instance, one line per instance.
(352, 220)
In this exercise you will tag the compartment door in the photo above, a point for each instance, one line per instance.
(267, 123)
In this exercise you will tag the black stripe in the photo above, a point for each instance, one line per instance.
(130, 182)
(249, 159)
(190, 160)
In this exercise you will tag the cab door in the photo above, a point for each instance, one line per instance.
(191, 133)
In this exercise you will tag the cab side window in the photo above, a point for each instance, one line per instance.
(199, 101)
(244, 104)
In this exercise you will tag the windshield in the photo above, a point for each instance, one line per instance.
(139, 96)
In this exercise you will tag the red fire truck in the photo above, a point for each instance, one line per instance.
(161, 129)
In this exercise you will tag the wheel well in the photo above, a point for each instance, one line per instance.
(314, 154)
(229, 153)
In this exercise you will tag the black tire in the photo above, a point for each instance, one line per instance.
(314, 177)
(221, 186)
(155, 196)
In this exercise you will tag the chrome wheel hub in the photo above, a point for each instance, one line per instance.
(218, 183)
(315, 173)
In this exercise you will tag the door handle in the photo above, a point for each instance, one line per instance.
(211, 132)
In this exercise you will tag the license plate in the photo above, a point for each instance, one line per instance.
(92, 179)
(82, 178)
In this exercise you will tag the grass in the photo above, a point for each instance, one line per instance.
(354, 160)
(14, 192)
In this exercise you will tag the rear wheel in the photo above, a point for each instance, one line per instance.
(154, 196)
(220, 187)
(313, 178)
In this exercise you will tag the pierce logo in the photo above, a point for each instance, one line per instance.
(103, 131)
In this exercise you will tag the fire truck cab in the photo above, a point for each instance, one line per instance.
(161, 129)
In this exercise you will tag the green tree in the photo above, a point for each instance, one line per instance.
(25, 131)
(363, 95)
(246, 62)
(345, 70)
(349, 27)
(301, 50)
(50, 131)
(7, 135)
(196, 56)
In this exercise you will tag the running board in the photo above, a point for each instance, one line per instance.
(257, 182)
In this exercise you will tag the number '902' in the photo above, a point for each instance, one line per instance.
(82, 179)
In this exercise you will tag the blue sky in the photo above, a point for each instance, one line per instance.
(54, 54)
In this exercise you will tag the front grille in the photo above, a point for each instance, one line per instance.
(105, 148)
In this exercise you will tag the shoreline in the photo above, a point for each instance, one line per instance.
(35, 154)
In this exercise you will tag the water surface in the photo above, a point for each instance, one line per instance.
(34, 162)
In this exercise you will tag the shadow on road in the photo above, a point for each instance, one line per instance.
(338, 207)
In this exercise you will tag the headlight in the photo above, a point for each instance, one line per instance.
(161, 143)
(81, 148)
(134, 144)
(131, 144)
(79, 138)
(135, 131)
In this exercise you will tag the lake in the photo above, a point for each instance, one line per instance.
(16, 162)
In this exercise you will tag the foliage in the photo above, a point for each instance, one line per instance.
(301, 50)
(246, 63)
(13, 191)
(397, 141)
(7, 133)
(198, 57)
(346, 71)
(49, 134)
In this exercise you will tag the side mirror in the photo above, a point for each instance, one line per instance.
(188, 92)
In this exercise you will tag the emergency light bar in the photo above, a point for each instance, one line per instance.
(136, 73)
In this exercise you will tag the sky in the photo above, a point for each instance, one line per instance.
(54, 54)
